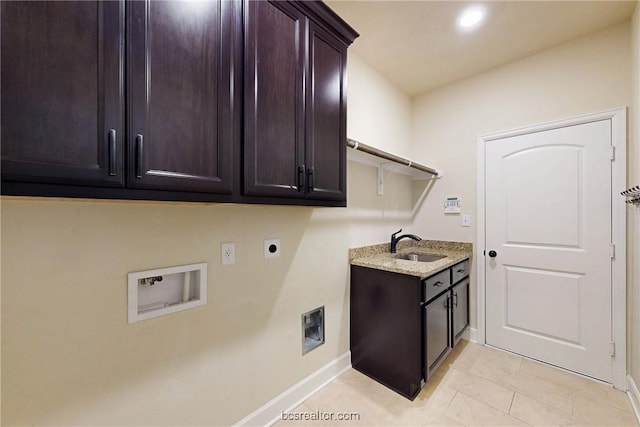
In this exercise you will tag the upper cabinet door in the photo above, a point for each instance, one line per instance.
(181, 89)
(61, 97)
(275, 46)
(326, 132)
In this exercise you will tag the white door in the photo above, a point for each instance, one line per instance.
(548, 219)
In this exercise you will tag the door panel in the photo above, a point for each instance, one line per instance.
(274, 94)
(548, 217)
(326, 124)
(181, 92)
(544, 292)
(62, 92)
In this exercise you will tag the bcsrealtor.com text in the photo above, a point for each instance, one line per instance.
(320, 416)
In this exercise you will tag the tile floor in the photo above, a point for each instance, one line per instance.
(475, 386)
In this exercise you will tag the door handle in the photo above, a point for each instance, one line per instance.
(310, 183)
(493, 254)
(455, 299)
(301, 173)
(112, 151)
(139, 154)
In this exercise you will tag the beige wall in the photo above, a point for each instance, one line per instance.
(377, 117)
(634, 212)
(70, 358)
(584, 76)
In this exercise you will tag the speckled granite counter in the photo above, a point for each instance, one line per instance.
(378, 256)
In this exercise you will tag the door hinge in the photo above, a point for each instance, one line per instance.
(613, 250)
(613, 152)
(612, 348)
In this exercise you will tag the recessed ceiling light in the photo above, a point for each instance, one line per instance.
(471, 18)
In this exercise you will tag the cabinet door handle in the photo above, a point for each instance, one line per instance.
(301, 174)
(139, 154)
(438, 283)
(446, 302)
(112, 151)
(311, 183)
(455, 299)
(462, 270)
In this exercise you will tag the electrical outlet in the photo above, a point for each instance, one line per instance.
(466, 220)
(271, 248)
(228, 253)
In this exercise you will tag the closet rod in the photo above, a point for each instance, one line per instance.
(388, 156)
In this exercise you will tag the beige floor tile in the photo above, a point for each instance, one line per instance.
(591, 413)
(479, 388)
(475, 386)
(530, 385)
(578, 386)
(536, 413)
(421, 416)
(470, 411)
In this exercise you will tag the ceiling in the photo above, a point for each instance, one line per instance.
(416, 45)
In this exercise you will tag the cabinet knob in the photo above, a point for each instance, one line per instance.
(493, 254)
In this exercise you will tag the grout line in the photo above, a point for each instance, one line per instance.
(511, 404)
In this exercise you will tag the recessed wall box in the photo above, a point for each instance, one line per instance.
(154, 293)
(312, 329)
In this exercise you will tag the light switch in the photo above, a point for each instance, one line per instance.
(466, 220)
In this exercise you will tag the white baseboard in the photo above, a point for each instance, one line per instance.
(634, 396)
(471, 334)
(271, 411)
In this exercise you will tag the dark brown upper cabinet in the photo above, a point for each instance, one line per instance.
(295, 101)
(62, 92)
(211, 101)
(180, 96)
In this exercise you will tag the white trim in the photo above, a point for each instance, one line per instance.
(473, 335)
(618, 119)
(271, 412)
(634, 396)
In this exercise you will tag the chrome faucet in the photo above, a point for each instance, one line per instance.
(395, 240)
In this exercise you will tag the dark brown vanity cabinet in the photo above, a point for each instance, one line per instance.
(386, 328)
(403, 327)
(295, 100)
(62, 92)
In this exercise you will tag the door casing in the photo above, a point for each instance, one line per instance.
(618, 119)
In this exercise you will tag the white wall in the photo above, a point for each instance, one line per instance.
(634, 212)
(70, 358)
(586, 75)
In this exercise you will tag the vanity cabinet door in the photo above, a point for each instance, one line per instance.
(460, 309)
(437, 343)
(62, 103)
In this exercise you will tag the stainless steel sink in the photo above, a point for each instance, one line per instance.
(412, 256)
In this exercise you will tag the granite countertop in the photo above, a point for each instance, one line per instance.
(379, 257)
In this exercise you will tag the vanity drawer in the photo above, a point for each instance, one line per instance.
(436, 284)
(459, 271)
